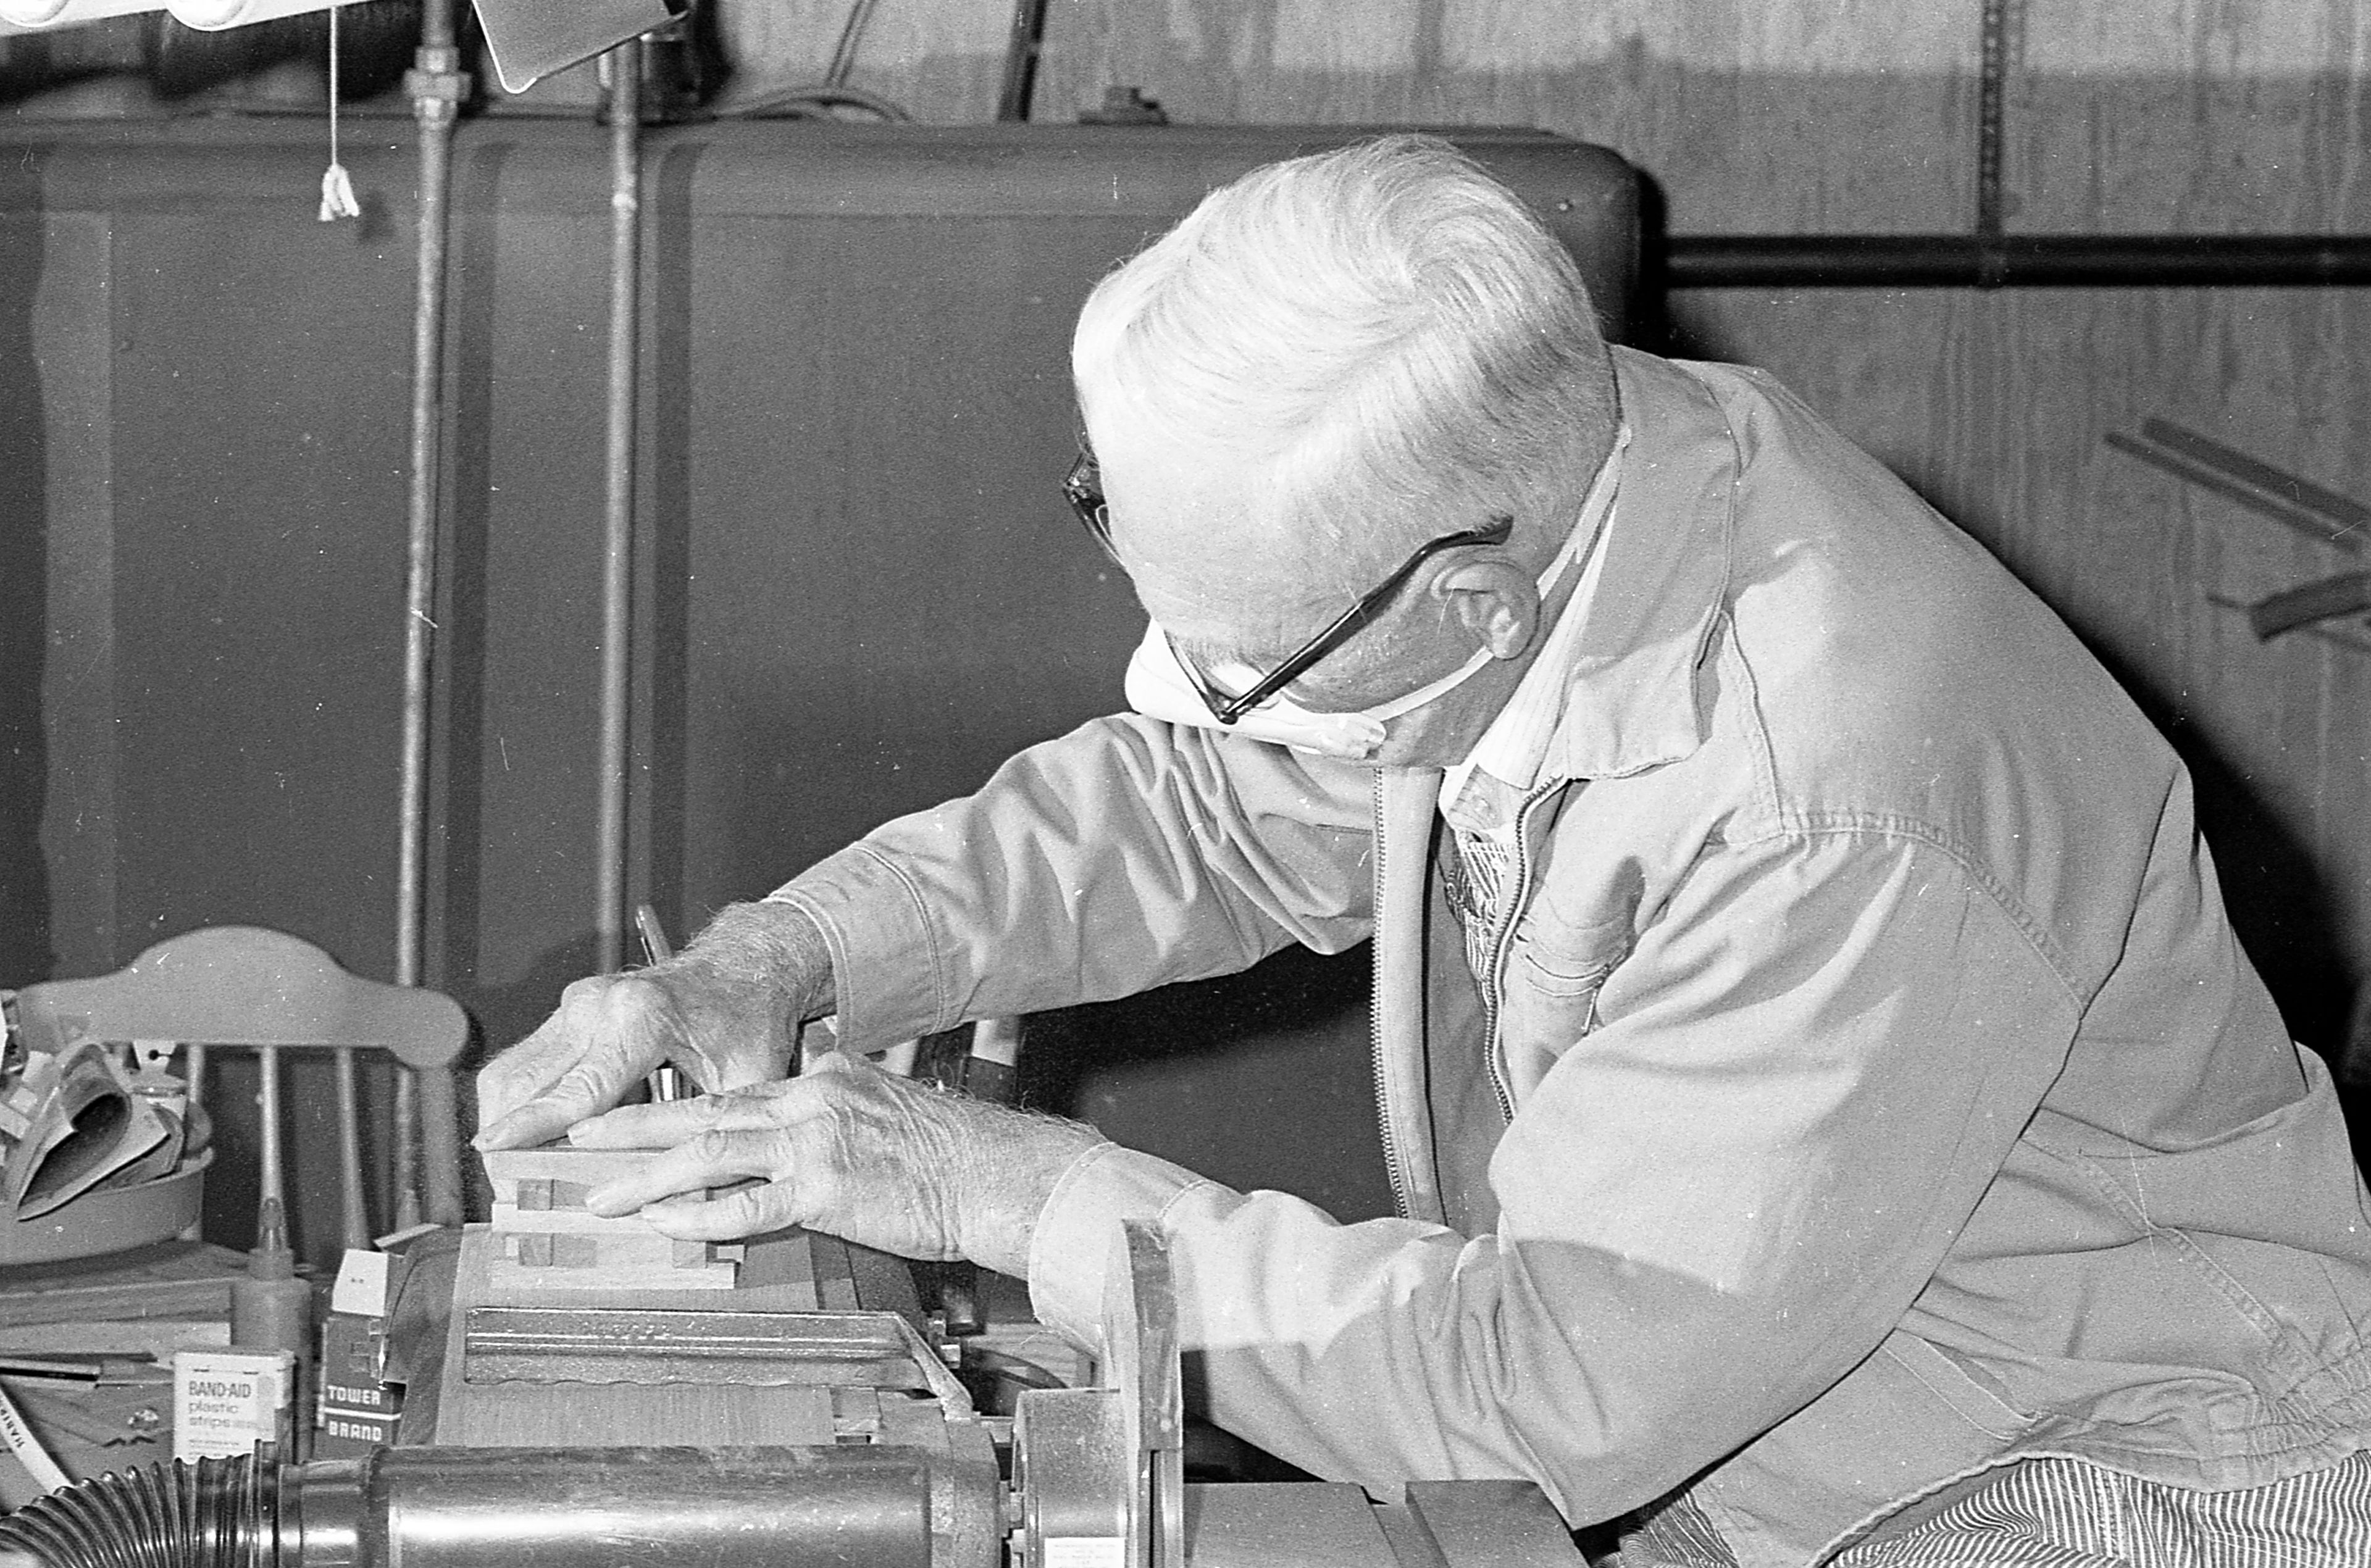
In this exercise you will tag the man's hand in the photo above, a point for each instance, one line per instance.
(726, 1010)
(848, 1149)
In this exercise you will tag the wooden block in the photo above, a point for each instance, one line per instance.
(555, 1164)
(544, 1238)
(171, 1279)
(512, 1220)
(507, 1277)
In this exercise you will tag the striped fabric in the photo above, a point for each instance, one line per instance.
(1477, 891)
(2065, 1513)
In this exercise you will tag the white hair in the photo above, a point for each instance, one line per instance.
(1383, 336)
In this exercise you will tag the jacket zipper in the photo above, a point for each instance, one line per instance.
(1502, 938)
(1375, 1044)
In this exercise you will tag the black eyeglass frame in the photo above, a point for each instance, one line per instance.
(1086, 498)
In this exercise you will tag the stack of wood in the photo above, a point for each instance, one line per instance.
(547, 1240)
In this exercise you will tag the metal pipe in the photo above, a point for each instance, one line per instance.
(623, 68)
(1948, 261)
(741, 1507)
(437, 86)
(353, 1213)
(1027, 41)
(614, 1509)
(270, 1184)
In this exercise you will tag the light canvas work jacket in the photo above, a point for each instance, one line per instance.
(1864, 1088)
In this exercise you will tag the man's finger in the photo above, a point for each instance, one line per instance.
(660, 1125)
(585, 1088)
(748, 1211)
(524, 1071)
(668, 1122)
(713, 1159)
(537, 1121)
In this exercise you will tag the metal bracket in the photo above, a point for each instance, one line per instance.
(1101, 1471)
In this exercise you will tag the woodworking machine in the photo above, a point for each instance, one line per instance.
(911, 1477)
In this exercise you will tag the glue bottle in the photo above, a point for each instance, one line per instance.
(271, 1308)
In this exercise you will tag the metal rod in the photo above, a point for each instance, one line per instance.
(270, 1185)
(1992, 92)
(2263, 502)
(440, 1144)
(2344, 640)
(2222, 484)
(1028, 39)
(618, 530)
(436, 87)
(1948, 260)
(2349, 521)
(353, 1212)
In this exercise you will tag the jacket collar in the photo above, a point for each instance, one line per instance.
(1630, 703)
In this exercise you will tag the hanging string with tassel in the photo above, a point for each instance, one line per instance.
(337, 187)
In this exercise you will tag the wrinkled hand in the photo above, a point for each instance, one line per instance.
(846, 1148)
(727, 1012)
(608, 1031)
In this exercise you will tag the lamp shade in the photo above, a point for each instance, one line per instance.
(31, 16)
(214, 15)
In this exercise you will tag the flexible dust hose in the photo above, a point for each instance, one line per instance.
(778, 1508)
(167, 1516)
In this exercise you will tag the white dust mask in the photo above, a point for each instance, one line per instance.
(1159, 688)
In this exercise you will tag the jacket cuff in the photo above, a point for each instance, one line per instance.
(1077, 1229)
(864, 905)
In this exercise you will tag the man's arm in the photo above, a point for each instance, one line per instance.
(727, 1009)
(1127, 855)
(1718, 1202)
(1120, 857)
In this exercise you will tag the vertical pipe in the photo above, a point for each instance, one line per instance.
(624, 73)
(352, 1211)
(441, 1142)
(1028, 39)
(270, 1185)
(437, 86)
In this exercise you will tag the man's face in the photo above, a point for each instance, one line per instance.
(1237, 595)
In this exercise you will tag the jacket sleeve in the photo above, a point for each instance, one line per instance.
(1128, 853)
(1716, 1202)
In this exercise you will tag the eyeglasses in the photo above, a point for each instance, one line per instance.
(1082, 487)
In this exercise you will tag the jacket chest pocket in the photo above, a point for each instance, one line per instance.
(1549, 999)
(1571, 967)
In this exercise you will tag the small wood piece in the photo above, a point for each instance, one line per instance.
(171, 1279)
(547, 1240)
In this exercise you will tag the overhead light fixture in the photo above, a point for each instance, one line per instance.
(529, 40)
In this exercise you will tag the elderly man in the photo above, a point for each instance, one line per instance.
(1831, 1114)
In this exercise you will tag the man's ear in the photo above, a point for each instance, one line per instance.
(1495, 601)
